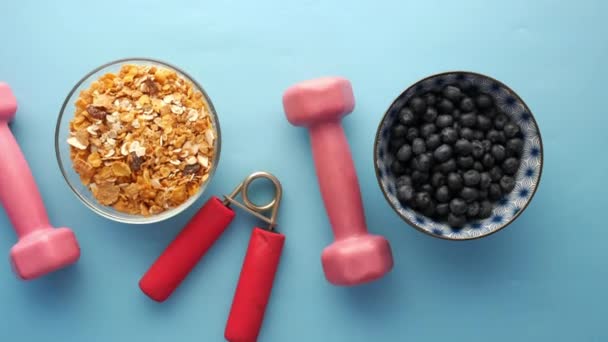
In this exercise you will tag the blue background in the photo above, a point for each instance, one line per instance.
(541, 279)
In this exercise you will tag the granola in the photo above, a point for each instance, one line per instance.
(142, 139)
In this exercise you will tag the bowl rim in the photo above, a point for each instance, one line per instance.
(415, 225)
(139, 219)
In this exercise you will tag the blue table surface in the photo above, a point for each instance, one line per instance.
(541, 279)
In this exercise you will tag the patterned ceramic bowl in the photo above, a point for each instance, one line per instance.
(527, 177)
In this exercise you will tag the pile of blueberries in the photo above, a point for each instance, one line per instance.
(455, 153)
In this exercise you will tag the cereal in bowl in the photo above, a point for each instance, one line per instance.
(142, 140)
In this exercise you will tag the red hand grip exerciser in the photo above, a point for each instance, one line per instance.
(259, 267)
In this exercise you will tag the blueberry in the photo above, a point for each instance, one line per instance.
(485, 209)
(449, 135)
(494, 192)
(442, 194)
(443, 153)
(488, 160)
(404, 153)
(487, 145)
(456, 221)
(482, 194)
(452, 93)
(412, 133)
(428, 188)
(403, 180)
(405, 193)
(422, 200)
(507, 184)
(515, 147)
(471, 178)
(456, 113)
(418, 146)
(436, 168)
(423, 162)
(500, 121)
(467, 86)
(495, 173)
(396, 143)
(442, 209)
(511, 130)
(478, 149)
(398, 131)
(458, 206)
(437, 179)
(496, 137)
(499, 152)
(430, 99)
(430, 114)
(483, 122)
(398, 168)
(467, 133)
(478, 166)
(418, 105)
(407, 117)
(473, 209)
(456, 126)
(413, 163)
(467, 104)
(490, 112)
(427, 129)
(468, 194)
(510, 166)
(478, 135)
(463, 147)
(455, 182)
(418, 177)
(444, 120)
(484, 101)
(429, 211)
(465, 163)
(445, 106)
(448, 166)
(484, 180)
(433, 141)
(468, 119)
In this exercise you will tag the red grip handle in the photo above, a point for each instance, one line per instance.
(255, 283)
(182, 254)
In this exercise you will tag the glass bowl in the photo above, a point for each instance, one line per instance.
(62, 148)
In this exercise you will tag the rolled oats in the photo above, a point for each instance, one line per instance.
(74, 142)
(142, 139)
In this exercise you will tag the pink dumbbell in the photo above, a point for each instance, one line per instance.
(356, 257)
(41, 249)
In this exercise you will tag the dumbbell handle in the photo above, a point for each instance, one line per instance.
(337, 179)
(184, 252)
(18, 192)
(254, 287)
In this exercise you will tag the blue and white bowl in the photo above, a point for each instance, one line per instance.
(527, 178)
